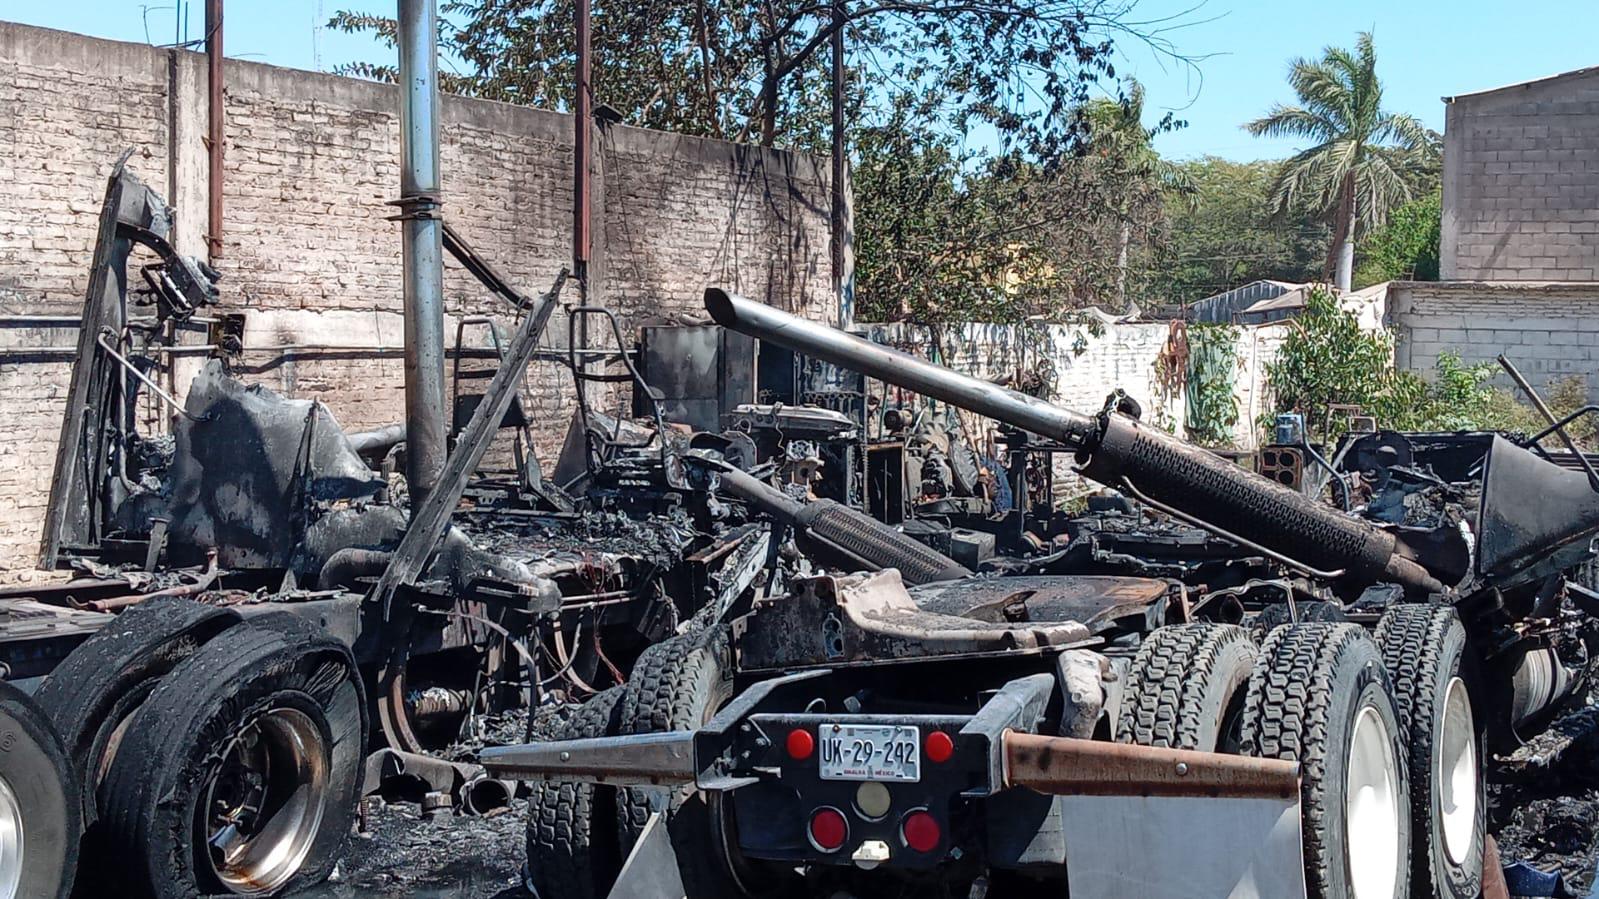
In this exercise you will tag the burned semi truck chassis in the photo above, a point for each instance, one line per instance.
(260, 634)
(854, 736)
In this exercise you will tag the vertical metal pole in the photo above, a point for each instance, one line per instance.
(836, 245)
(583, 122)
(423, 247)
(216, 114)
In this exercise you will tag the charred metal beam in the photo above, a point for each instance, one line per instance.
(431, 516)
(841, 536)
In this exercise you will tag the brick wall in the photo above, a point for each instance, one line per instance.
(309, 253)
(1521, 182)
(1551, 331)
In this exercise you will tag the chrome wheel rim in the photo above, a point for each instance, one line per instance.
(263, 807)
(11, 842)
(1456, 773)
(1371, 808)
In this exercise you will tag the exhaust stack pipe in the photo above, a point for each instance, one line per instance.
(423, 246)
(1121, 453)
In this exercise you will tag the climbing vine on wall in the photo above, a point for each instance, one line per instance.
(1211, 383)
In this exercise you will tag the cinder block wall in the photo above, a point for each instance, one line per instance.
(309, 252)
(1521, 182)
(1551, 331)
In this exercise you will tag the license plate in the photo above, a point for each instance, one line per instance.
(870, 752)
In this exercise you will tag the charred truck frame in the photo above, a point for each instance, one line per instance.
(1301, 697)
(249, 578)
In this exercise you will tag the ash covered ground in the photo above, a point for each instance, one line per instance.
(409, 855)
(405, 853)
(1543, 801)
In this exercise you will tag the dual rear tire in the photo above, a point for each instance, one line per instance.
(222, 756)
(1316, 693)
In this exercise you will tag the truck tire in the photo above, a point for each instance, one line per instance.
(1320, 696)
(1424, 650)
(255, 741)
(679, 684)
(38, 804)
(92, 695)
(1186, 688)
(571, 827)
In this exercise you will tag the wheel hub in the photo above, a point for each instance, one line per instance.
(11, 844)
(1456, 767)
(263, 808)
(1371, 805)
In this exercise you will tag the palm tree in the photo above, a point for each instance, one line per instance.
(1356, 171)
(1116, 131)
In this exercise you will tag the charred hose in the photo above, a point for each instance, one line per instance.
(1116, 451)
(842, 537)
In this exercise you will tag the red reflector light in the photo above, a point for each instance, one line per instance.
(939, 747)
(921, 831)
(829, 830)
(800, 744)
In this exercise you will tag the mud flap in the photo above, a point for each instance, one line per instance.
(1166, 847)
(650, 871)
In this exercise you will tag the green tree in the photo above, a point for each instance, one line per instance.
(1117, 134)
(1363, 155)
(743, 70)
(1406, 247)
(1328, 360)
(1015, 229)
(1225, 235)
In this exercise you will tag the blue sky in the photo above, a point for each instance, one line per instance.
(1426, 49)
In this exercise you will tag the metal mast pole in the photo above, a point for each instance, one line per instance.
(214, 130)
(423, 246)
(583, 124)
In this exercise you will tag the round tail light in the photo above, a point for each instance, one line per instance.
(828, 829)
(800, 744)
(920, 831)
(939, 747)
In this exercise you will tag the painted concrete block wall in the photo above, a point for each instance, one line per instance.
(1551, 331)
(1082, 364)
(309, 253)
(1521, 182)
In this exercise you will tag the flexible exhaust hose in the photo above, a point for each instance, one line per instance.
(1112, 448)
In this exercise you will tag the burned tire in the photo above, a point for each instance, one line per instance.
(1186, 688)
(679, 684)
(1320, 696)
(1423, 647)
(92, 695)
(38, 803)
(571, 827)
(240, 774)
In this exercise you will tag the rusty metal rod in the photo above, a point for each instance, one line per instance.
(144, 378)
(1067, 766)
(583, 125)
(216, 112)
(1549, 416)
